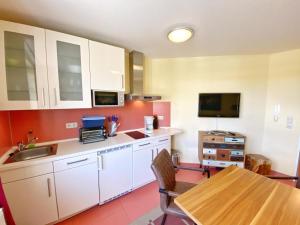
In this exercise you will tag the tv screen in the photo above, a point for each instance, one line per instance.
(219, 105)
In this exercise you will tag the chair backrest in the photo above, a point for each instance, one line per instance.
(298, 183)
(164, 171)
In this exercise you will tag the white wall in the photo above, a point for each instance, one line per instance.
(280, 143)
(180, 80)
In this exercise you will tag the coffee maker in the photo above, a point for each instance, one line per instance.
(148, 121)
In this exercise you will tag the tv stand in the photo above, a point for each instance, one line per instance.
(221, 148)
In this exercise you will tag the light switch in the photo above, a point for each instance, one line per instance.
(289, 122)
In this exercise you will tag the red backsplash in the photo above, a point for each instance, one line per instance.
(5, 132)
(49, 125)
(163, 109)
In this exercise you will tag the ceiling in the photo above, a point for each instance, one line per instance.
(222, 27)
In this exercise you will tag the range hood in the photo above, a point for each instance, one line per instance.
(136, 74)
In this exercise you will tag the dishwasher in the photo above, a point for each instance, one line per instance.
(115, 172)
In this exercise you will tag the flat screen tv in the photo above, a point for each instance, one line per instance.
(219, 105)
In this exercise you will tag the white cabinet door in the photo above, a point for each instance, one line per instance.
(115, 173)
(160, 147)
(32, 201)
(23, 70)
(107, 65)
(76, 189)
(142, 173)
(68, 71)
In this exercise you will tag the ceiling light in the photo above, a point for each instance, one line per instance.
(179, 35)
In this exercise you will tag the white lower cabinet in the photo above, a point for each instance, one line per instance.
(76, 184)
(115, 172)
(32, 201)
(142, 159)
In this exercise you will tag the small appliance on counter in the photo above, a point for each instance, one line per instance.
(113, 125)
(93, 129)
(148, 120)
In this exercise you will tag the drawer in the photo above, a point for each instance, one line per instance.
(237, 158)
(223, 155)
(224, 146)
(212, 138)
(142, 144)
(72, 162)
(209, 151)
(162, 140)
(26, 172)
(234, 140)
(209, 157)
(221, 163)
(237, 153)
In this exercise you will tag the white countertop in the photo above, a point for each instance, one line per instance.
(71, 148)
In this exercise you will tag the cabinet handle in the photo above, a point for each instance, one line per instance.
(144, 144)
(122, 81)
(100, 162)
(78, 161)
(163, 140)
(49, 187)
(55, 97)
(152, 155)
(157, 151)
(43, 93)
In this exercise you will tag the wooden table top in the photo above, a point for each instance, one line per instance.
(237, 196)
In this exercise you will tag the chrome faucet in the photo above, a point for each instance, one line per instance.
(31, 142)
(21, 146)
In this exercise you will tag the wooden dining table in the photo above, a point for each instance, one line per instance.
(238, 196)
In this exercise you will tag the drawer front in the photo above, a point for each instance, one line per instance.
(26, 172)
(221, 163)
(224, 146)
(223, 155)
(142, 144)
(162, 140)
(72, 162)
(209, 151)
(234, 140)
(217, 139)
(237, 153)
(237, 158)
(209, 157)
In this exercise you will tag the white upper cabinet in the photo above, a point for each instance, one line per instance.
(68, 71)
(23, 70)
(107, 66)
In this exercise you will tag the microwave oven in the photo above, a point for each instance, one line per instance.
(107, 98)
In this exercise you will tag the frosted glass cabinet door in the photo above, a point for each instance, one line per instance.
(68, 70)
(23, 71)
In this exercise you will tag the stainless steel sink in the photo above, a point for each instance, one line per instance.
(33, 153)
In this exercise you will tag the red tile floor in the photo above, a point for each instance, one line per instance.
(128, 208)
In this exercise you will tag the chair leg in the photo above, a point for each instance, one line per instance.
(164, 219)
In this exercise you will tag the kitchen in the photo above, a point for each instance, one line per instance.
(143, 112)
(103, 164)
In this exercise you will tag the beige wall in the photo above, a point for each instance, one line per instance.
(262, 80)
(180, 80)
(280, 143)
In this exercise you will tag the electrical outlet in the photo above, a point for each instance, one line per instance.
(71, 125)
(160, 117)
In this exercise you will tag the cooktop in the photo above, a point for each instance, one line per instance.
(136, 134)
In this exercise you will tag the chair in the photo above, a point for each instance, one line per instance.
(287, 178)
(169, 188)
(297, 178)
